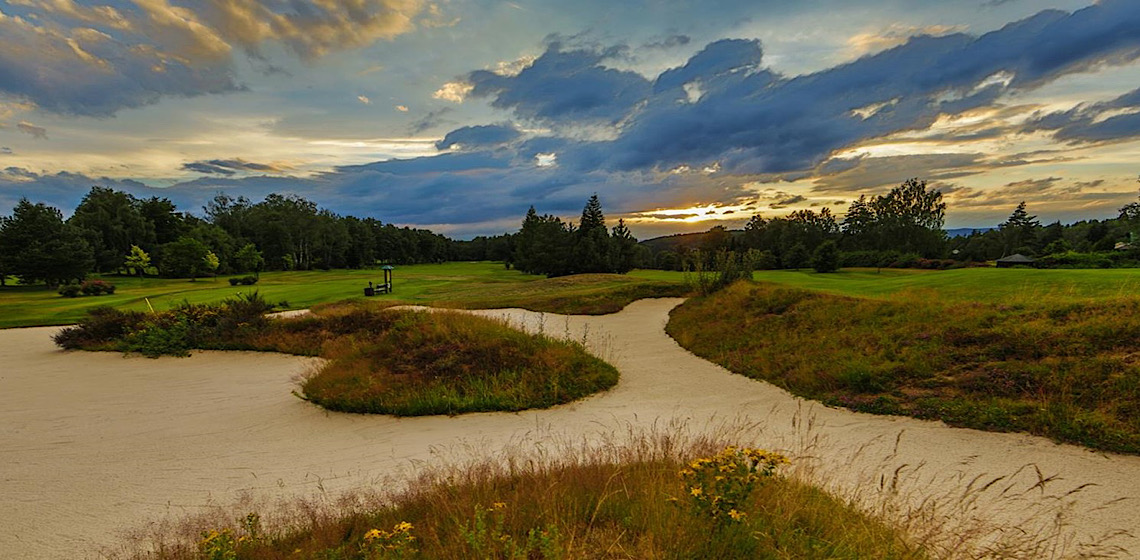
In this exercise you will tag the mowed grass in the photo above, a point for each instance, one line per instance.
(995, 285)
(1060, 360)
(461, 285)
(607, 502)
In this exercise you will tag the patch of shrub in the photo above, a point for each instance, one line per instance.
(96, 288)
(227, 325)
(707, 273)
(102, 326)
(1073, 259)
(243, 280)
(69, 290)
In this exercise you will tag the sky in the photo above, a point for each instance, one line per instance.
(458, 115)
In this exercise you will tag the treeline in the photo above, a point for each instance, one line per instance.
(905, 221)
(903, 228)
(547, 245)
(1105, 243)
(112, 231)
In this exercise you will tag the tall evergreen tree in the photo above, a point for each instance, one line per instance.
(1019, 230)
(623, 248)
(592, 217)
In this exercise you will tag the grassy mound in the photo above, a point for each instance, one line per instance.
(636, 505)
(412, 363)
(399, 362)
(1054, 367)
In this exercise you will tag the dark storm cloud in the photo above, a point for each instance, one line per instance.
(1116, 119)
(429, 121)
(37, 132)
(62, 190)
(751, 121)
(786, 202)
(668, 42)
(479, 136)
(564, 87)
(230, 167)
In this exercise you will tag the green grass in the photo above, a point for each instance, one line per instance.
(614, 502)
(1058, 360)
(382, 361)
(464, 285)
(966, 284)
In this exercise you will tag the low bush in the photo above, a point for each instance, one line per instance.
(87, 288)
(894, 259)
(69, 290)
(174, 332)
(243, 281)
(1073, 259)
(96, 288)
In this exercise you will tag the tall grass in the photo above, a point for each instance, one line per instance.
(629, 495)
(592, 500)
(393, 361)
(1052, 367)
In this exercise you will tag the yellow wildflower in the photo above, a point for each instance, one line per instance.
(696, 491)
(736, 515)
(499, 505)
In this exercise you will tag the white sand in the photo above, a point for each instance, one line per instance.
(93, 443)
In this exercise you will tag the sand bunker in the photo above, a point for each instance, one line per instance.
(94, 443)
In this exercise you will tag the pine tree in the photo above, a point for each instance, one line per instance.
(592, 217)
(592, 244)
(1019, 229)
(623, 248)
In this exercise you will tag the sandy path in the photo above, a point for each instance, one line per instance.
(91, 443)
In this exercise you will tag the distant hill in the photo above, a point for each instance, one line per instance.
(679, 241)
(688, 241)
(964, 231)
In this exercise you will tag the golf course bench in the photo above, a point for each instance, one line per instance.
(384, 287)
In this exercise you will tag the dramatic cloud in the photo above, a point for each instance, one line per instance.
(229, 167)
(750, 120)
(704, 134)
(1117, 119)
(894, 35)
(564, 87)
(786, 202)
(37, 132)
(129, 57)
(429, 121)
(455, 92)
(479, 136)
(668, 42)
